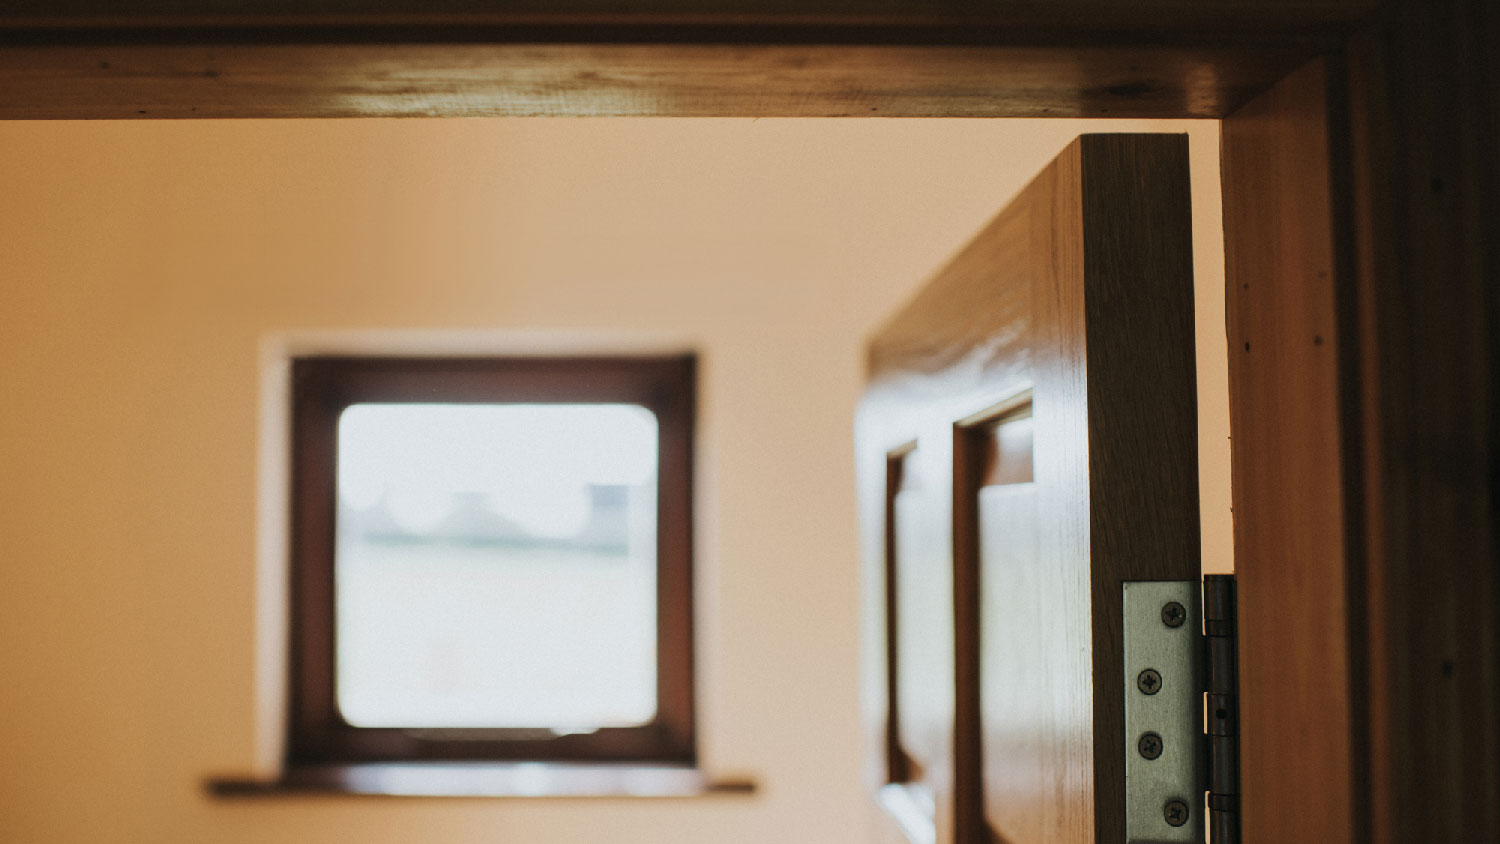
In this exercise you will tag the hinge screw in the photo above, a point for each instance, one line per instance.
(1149, 682)
(1150, 745)
(1175, 813)
(1173, 614)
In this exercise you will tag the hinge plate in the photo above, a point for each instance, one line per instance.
(1165, 768)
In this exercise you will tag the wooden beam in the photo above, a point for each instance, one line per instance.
(1286, 349)
(1143, 15)
(1424, 204)
(1362, 253)
(536, 79)
(826, 58)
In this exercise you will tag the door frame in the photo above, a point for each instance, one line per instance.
(1360, 192)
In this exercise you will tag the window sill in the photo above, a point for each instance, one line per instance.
(485, 779)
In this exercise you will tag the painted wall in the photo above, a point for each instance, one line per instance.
(142, 266)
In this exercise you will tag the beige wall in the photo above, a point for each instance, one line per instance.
(142, 265)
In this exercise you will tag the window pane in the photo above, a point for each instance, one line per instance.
(496, 565)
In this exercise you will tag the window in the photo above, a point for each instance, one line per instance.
(491, 560)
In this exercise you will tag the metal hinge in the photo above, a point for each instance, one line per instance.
(1222, 707)
(1181, 712)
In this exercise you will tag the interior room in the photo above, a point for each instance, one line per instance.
(151, 270)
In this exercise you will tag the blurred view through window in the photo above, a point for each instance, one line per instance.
(495, 565)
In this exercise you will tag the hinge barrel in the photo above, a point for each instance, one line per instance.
(1222, 708)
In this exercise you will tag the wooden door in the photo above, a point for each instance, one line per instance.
(1027, 444)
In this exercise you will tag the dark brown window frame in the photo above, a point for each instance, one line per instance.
(322, 387)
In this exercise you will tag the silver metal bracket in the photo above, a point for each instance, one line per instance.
(1165, 753)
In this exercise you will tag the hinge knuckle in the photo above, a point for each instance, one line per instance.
(1222, 707)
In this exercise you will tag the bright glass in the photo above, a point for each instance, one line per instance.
(496, 566)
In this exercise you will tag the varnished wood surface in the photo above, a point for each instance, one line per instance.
(274, 79)
(336, 58)
(1362, 244)
(1152, 14)
(1142, 404)
(1078, 299)
(922, 631)
(1424, 223)
(1286, 347)
(1006, 450)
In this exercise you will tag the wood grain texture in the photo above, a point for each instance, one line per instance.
(1078, 299)
(1153, 14)
(1291, 552)
(1424, 213)
(622, 79)
(1142, 404)
(1362, 246)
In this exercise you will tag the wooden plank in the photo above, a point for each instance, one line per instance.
(1077, 303)
(1424, 130)
(1157, 15)
(334, 58)
(622, 79)
(1142, 407)
(1361, 238)
(1285, 346)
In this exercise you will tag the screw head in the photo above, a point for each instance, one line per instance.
(1175, 812)
(1149, 681)
(1150, 745)
(1173, 614)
